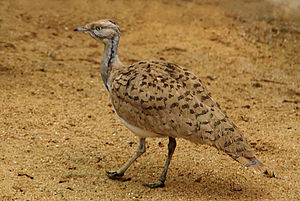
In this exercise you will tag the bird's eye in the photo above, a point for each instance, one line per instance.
(98, 28)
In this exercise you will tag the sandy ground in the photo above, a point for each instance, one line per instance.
(58, 133)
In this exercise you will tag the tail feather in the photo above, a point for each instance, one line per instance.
(235, 145)
(255, 165)
(252, 164)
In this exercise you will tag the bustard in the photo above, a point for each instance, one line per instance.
(161, 99)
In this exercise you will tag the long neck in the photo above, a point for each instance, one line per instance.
(109, 57)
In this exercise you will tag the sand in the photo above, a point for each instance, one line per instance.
(58, 133)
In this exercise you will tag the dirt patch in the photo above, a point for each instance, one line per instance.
(59, 134)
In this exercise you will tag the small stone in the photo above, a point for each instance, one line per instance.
(257, 85)
(161, 144)
(198, 180)
(246, 106)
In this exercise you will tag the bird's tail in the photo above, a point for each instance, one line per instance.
(235, 145)
(255, 165)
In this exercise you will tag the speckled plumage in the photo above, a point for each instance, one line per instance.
(161, 99)
(169, 100)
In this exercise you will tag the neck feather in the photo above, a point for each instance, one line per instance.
(109, 57)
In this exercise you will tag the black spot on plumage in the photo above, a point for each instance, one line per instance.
(170, 66)
(174, 105)
(170, 95)
(132, 88)
(230, 129)
(187, 73)
(180, 76)
(185, 106)
(203, 112)
(180, 97)
(188, 99)
(151, 98)
(159, 98)
(165, 85)
(192, 111)
(197, 85)
(189, 123)
(160, 107)
(217, 123)
(135, 98)
(203, 98)
(168, 70)
(224, 120)
(164, 79)
(143, 83)
(195, 105)
(187, 93)
(149, 108)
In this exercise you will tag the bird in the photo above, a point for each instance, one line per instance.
(163, 99)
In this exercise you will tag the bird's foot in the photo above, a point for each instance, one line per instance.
(114, 175)
(269, 174)
(158, 184)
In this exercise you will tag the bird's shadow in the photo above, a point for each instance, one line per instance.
(208, 185)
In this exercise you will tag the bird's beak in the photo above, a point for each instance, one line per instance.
(80, 29)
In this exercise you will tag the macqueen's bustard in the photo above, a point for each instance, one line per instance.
(161, 99)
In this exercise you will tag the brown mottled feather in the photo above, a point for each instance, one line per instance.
(168, 100)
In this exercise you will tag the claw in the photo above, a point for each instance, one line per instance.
(158, 184)
(116, 176)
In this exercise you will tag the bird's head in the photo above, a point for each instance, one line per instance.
(104, 30)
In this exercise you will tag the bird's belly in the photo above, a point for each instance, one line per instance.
(136, 130)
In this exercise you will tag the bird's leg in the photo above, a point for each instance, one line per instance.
(117, 175)
(162, 179)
